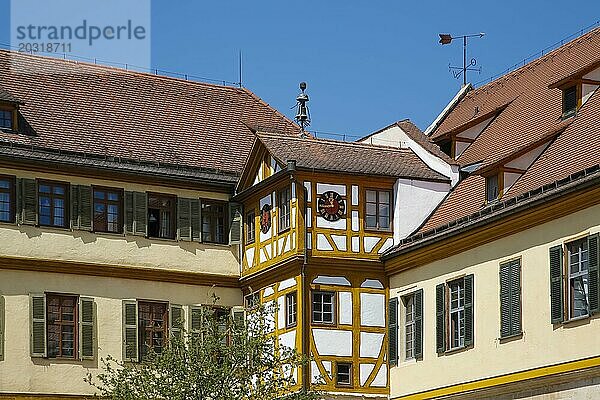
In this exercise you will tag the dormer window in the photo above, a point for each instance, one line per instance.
(492, 189)
(6, 119)
(570, 101)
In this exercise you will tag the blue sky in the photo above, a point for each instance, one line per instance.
(367, 64)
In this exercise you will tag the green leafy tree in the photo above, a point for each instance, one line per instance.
(227, 358)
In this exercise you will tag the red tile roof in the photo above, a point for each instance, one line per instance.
(101, 110)
(348, 157)
(532, 116)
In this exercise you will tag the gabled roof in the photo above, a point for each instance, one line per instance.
(91, 109)
(425, 141)
(532, 118)
(348, 157)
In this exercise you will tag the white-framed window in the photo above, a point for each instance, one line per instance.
(291, 309)
(323, 307)
(456, 314)
(409, 326)
(577, 258)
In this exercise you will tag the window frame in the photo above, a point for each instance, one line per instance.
(333, 307)
(566, 113)
(405, 323)
(66, 197)
(214, 221)
(251, 228)
(337, 374)
(13, 120)
(141, 343)
(488, 198)
(172, 209)
(569, 295)
(377, 216)
(281, 227)
(12, 198)
(106, 202)
(252, 300)
(461, 308)
(74, 323)
(294, 305)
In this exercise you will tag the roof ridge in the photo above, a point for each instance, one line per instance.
(536, 61)
(335, 142)
(118, 69)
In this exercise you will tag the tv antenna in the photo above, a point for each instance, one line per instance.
(446, 38)
(302, 112)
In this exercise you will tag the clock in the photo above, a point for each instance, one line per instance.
(265, 218)
(331, 206)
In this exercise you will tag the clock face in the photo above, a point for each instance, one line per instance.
(331, 206)
(265, 218)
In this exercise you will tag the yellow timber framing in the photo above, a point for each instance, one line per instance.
(356, 278)
(516, 377)
(502, 227)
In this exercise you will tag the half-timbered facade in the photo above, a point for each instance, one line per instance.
(317, 216)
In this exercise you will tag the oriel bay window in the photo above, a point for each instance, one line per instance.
(454, 314)
(7, 199)
(378, 213)
(161, 216)
(62, 326)
(52, 204)
(574, 279)
(108, 210)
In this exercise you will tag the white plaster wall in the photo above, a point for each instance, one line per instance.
(288, 283)
(345, 308)
(474, 131)
(542, 343)
(323, 243)
(525, 161)
(288, 339)
(381, 377)
(330, 342)
(509, 179)
(365, 372)
(370, 242)
(339, 224)
(21, 373)
(280, 312)
(325, 187)
(414, 201)
(394, 136)
(370, 344)
(372, 309)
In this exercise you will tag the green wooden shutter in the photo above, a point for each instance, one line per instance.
(2, 325)
(195, 321)
(419, 323)
(81, 207)
(38, 325)
(86, 328)
(235, 226)
(176, 320)
(469, 309)
(128, 205)
(140, 213)
(556, 284)
(130, 331)
(184, 219)
(515, 297)
(196, 220)
(29, 206)
(393, 331)
(505, 300)
(593, 256)
(440, 317)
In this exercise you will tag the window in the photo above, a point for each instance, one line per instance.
(343, 374)
(52, 203)
(7, 199)
(510, 298)
(153, 322)
(409, 327)
(6, 119)
(574, 288)
(454, 314)
(161, 216)
(323, 307)
(108, 215)
(250, 227)
(291, 311)
(61, 326)
(284, 209)
(570, 101)
(491, 188)
(577, 257)
(213, 222)
(378, 210)
(252, 300)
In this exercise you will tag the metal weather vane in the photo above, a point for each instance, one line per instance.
(446, 38)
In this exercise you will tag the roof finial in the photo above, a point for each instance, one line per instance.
(302, 112)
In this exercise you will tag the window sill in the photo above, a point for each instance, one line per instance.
(456, 350)
(324, 324)
(284, 230)
(377, 230)
(576, 319)
(510, 338)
